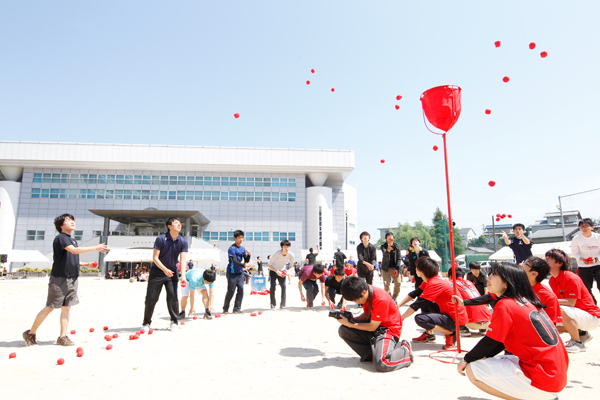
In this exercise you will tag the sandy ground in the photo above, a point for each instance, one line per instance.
(279, 354)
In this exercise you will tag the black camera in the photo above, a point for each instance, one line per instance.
(338, 315)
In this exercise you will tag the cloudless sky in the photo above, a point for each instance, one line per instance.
(176, 72)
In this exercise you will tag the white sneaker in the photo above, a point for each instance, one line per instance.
(146, 328)
(573, 346)
(174, 327)
(586, 338)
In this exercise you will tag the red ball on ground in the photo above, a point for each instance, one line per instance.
(543, 54)
(497, 43)
(312, 70)
(253, 314)
(92, 329)
(150, 331)
(73, 332)
(398, 97)
(109, 347)
(12, 355)
(532, 45)
(322, 303)
(217, 315)
(397, 107)
(115, 336)
(142, 331)
(136, 336)
(130, 337)
(79, 349)
(105, 328)
(260, 313)
(492, 183)
(488, 111)
(195, 317)
(497, 219)
(435, 148)
(108, 338)
(509, 216)
(505, 79)
(308, 82)
(182, 322)
(60, 361)
(80, 353)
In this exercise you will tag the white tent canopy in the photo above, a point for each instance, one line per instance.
(145, 255)
(24, 256)
(538, 250)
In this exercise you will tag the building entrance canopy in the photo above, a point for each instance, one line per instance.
(151, 216)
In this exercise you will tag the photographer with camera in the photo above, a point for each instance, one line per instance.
(375, 334)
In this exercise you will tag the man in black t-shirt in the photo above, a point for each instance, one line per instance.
(478, 278)
(333, 286)
(367, 258)
(311, 258)
(62, 288)
(520, 244)
(259, 268)
(339, 257)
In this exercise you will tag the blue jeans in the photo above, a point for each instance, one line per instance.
(312, 289)
(234, 281)
(332, 292)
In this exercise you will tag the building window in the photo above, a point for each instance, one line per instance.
(206, 236)
(230, 235)
(282, 235)
(78, 235)
(275, 182)
(276, 236)
(267, 182)
(96, 233)
(292, 236)
(222, 236)
(35, 193)
(249, 236)
(291, 197)
(352, 225)
(292, 182)
(352, 242)
(37, 178)
(265, 236)
(257, 236)
(214, 236)
(35, 235)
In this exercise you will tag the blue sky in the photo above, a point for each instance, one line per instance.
(176, 72)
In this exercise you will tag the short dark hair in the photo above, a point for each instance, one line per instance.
(237, 233)
(339, 271)
(285, 242)
(586, 221)
(352, 288)
(415, 238)
(517, 284)
(459, 272)
(363, 234)
(317, 269)
(60, 220)
(515, 226)
(209, 276)
(170, 221)
(310, 250)
(560, 256)
(540, 266)
(474, 265)
(388, 234)
(428, 267)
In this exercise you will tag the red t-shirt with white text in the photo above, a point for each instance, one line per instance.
(549, 299)
(468, 290)
(385, 310)
(567, 285)
(440, 291)
(529, 334)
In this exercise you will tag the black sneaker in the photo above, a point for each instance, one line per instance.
(272, 307)
(207, 315)
(30, 339)
(225, 312)
(464, 331)
(181, 315)
(237, 312)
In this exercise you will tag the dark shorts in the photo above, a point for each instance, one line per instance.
(429, 321)
(62, 292)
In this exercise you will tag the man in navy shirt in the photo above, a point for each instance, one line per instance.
(239, 261)
(168, 247)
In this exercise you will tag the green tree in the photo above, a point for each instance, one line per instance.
(479, 242)
(404, 232)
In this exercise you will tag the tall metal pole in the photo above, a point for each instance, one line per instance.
(562, 220)
(494, 232)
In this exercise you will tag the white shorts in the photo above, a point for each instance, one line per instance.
(504, 374)
(184, 291)
(584, 320)
(478, 325)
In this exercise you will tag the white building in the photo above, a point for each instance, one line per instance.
(129, 190)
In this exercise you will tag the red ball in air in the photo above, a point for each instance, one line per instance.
(115, 336)
(398, 97)
(110, 346)
(503, 216)
(12, 355)
(397, 107)
(60, 361)
(544, 54)
(333, 89)
(92, 329)
(488, 111)
(497, 219)
(498, 215)
(105, 328)
(308, 82)
(497, 43)
(73, 332)
(312, 70)
(509, 216)
(492, 183)
(532, 45)
(236, 115)
(382, 161)
(505, 79)
(435, 148)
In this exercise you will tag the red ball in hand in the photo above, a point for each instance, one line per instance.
(95, 264)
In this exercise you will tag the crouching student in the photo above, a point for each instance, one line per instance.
(537, 366)
(580, 314)
(375, 334)
(435, 301)
(198, 280)
(478, 315)
(309, 275)
(537, 270)
(333, 286)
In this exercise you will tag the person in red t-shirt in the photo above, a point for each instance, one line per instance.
(537, 270)
(375, 334)
(537, 366)
(580, 313)
(479, 315)
(435, 300)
